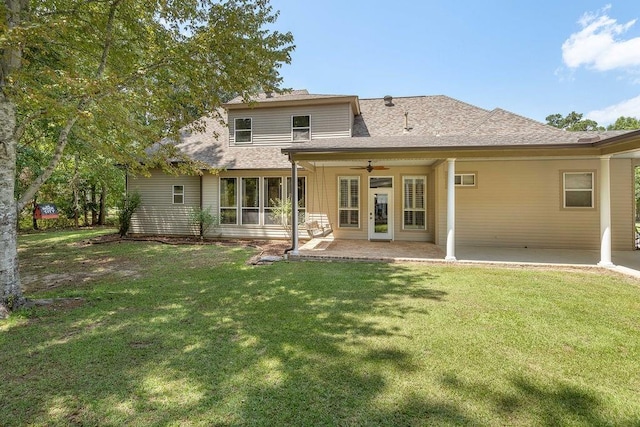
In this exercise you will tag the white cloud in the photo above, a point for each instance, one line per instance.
(599, 44)
(608, 115)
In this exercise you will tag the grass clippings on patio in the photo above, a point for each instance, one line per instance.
(191, 335)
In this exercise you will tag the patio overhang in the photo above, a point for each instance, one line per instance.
(434, 147)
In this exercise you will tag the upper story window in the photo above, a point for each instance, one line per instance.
(301, 128)
(243, 130)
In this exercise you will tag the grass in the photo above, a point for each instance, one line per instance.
(190, 335)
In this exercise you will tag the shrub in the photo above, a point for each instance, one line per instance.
(203, 220)
(128, 206)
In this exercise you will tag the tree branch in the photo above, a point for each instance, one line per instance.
(57, 155)
(108, 38)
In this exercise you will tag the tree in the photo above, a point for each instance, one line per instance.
(625, 123)
(572, 122)
(112, 77)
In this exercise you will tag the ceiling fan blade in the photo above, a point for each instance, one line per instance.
(379, 168)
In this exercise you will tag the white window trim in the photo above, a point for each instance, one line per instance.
(287, 193)
(404, 209)
(357, 208)
(236, 130)
(174, 194)
(462, 175)
(220, 207)
(241, 197)
(592, 190)
(261, 199)
(300, 128)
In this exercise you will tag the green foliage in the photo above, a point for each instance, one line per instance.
(203, 220)
(128, 206)
(281, 213)
(625, 123)
(572, 122)
(126, 74)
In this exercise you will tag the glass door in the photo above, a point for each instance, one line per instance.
(380, 209)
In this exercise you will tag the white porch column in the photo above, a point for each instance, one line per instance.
(451, 210)
(294, 208)
(605, 213)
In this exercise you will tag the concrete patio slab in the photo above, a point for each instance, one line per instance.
(328, 248)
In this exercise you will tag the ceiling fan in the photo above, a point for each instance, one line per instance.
(370, 167)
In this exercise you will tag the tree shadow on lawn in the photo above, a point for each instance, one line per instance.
(288, 344)
(536, 402)
(231, 345)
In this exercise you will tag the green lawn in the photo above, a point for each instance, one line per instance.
(190, 335)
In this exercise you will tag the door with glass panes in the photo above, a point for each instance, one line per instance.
(380, 208)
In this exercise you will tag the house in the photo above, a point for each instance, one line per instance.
(423, 168)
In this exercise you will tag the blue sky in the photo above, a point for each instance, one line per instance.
(533, 58)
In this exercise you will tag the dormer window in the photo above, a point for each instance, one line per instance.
(301, 128)
(243, 130)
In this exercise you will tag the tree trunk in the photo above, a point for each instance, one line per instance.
(94, 205)
(11, 297)
(103, 204)
(10, 60)
(76, 203)
(85, 206)
(33, 214)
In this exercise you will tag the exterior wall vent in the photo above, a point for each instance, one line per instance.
(388, 101)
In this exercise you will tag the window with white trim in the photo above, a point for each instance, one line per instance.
(243, 130)
(414, 212)
(178, 194)
(349, 201)
(300, 128)
(465, 180)
(250, 207)
(272, 188)
(250, 200)
(578, 189)
(302, 191)
(228, 200)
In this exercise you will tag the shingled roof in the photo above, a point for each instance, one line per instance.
(419, 122)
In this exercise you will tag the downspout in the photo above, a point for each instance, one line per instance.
(201, 207)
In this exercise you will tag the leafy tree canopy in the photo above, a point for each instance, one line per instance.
(119, 75)
(112, 77)
(572, 122)
(625, 123)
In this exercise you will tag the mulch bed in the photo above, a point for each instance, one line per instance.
(266, 247)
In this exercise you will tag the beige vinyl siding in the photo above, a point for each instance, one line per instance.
(273, 125)
(158, 214)
(519, 204)
(325, 199)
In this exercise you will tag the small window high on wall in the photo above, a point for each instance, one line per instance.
(465, 180)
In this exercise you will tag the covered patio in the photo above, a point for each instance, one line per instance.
(330, 249)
